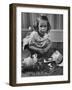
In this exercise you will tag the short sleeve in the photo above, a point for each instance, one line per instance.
(32, 37)
(29, 39)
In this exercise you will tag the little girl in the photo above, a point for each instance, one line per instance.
(38, 41)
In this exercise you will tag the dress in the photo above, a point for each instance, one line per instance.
(34, 39)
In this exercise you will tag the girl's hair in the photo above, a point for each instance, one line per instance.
(36, 23)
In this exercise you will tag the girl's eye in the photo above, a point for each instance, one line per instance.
(43, 26)
(40, 26)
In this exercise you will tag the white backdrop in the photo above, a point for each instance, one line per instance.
(4, 45)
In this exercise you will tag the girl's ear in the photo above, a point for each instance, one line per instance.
(48, 27)
(35, 25)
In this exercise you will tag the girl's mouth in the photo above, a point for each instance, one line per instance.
(43, 32)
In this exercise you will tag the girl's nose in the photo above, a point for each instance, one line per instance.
(43, 28)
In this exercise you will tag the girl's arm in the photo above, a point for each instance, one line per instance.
(28, 39)
(37, 49)
(34, 48)
(25, 42)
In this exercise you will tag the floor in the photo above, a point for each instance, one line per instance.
(57, 71)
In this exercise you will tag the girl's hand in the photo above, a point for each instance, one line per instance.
(41, 51)
(48, 47)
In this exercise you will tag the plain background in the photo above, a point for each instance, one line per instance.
(4, 45)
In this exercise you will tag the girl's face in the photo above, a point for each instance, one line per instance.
(42, 27)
